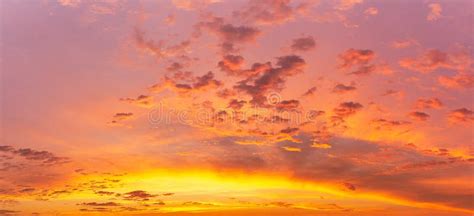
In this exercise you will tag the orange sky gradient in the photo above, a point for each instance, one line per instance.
(214, 107)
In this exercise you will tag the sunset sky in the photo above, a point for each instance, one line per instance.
(214, 107)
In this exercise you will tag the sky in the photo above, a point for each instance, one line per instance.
(214, 107)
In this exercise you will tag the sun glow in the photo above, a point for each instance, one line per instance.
(201, 190)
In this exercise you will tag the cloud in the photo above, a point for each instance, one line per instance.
(96, 209)
(237, 33)
(459, 81)
(289, 130)
(35, 155)
(332, 206)
(419, 116)
(423, 165)
(371, 11)
(159, 49)
(91, 11)
(364, 70)
(322, 133)
(104, 8)
(206, 81)
(27, 190)
(254, 70)
(280, 204)
(287, 105)
(45, 157)
(271, 79)
(122, 116)
(434, 59)
(385, 124)
(69, 3)
(226, 93)
(276, 119)
(428, 103)
(231, 64)
(193, 4)
(310, 91)
(194, 203)
(168, 194)
(401, 44)
(100, 204)
(185, 83)
(354, 164)
(118, 118)
(175, 66)
(321, 145)
(346, 109)
(186, 76)
(430, 61)
(229, 35)
(138, 195)
(236, 104)
(269, 12)
(355, 57)
(7, 212)
(349, 186)
(6, 148)
(341, 88)
(348, 4)
(108, 193)
(461, 115)
(397, 94)
(291, 149)
(8, 202)
(243, 155)
(435, 12)
(303, 44)
(141, 100)
(334, 15)
(358, 167)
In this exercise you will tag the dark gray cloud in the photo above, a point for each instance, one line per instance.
(341, 88)
(303, 44)
(230, 35)
(45, 157)
(273, 78)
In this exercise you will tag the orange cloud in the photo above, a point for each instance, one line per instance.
(271, 12)
(462, 115)
(419, 116)
(435, 12)
(141, 100)
(459, 81)
(428, 103)
(371, 11)
(435, 59)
